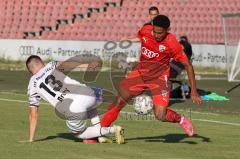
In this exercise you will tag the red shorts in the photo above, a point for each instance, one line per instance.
(135, 85)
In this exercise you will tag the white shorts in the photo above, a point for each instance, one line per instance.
(76, 107)
(82, 103)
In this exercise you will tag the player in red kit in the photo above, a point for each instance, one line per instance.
(158, 46)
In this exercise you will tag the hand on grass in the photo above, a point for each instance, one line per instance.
(196, 98)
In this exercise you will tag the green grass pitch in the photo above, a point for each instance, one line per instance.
(217, 129)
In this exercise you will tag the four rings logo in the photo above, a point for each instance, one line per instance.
(26, 50)
(148, 53)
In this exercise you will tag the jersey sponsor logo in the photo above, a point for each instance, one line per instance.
(39, 77)
(49, 69)
(35, 84)
(150, 54)
(162, 48)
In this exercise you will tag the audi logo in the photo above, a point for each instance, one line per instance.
(149, 53)
(26, 50)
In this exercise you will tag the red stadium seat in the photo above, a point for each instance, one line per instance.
(193, 17)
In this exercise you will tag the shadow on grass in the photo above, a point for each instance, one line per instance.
(172, 102)
(67, 136)
(170, 138)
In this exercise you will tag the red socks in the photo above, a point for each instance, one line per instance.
(172, 116)
(110, 116)
(113, 110)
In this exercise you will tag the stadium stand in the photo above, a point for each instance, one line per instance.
(200, 20)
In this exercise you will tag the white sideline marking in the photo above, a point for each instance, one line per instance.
(204, 120)
(20, 101)
(218, 122)
(20, 94)
(13, 100)
(202, 113)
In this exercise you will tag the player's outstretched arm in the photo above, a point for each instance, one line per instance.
(33, 118)
(93, 62)
(191, 76)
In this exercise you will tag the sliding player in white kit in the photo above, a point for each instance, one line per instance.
(73, 100)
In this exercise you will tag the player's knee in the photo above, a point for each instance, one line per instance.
(121, 102)
(124, 94)
(160, 115)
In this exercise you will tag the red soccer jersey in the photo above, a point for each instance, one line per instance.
(155, 56)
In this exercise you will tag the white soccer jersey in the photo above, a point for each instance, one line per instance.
(55, 87)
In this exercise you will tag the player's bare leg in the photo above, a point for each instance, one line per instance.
(165, 114)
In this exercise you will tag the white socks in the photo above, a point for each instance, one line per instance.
(96, 121)
(107, 130)
(94, 131)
